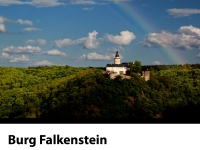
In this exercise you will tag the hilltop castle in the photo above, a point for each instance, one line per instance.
(121, 69)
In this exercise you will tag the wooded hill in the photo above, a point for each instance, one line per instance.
(69, 92)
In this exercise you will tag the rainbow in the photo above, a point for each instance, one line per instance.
(133, 16)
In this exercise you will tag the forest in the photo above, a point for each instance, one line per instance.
(173, 91)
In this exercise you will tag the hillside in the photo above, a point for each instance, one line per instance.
(69, 92)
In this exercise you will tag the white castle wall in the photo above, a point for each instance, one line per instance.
(117, 69)
(146, 75)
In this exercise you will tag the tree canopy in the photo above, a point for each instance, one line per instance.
(173, 91)
(135, 67)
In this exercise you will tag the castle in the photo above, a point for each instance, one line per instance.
(121, 69)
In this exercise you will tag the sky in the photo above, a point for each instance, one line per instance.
(83, 33)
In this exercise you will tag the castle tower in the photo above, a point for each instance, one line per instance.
(117, 59)
(143, 73)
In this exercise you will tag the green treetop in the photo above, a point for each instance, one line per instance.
(135, 67)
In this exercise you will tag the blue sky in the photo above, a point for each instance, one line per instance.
(85, 33)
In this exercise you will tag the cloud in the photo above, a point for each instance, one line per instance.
(83, 2)
(24, 22)
(82, 57)
(30, 29)
(15, 59)
(87, 2)
(92, 42)
(46, 3)
(17, 50)
(11, 2)
(30, 41)
(55, 52)
(114, 49)
(89, 42)
(23, 58)
(124, 38)
(117, 1)
(189, 30)
(2, 26)
(94, 56)
(3, 19)
(41, 41)
(88, 8)
(198, 55)
(182, 12)
(43, 63)
(64, 42)
(5, 55)
(187, 38)
(156, 63)
(37, 3)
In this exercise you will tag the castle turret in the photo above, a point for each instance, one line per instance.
(117, 59)
(146, 74)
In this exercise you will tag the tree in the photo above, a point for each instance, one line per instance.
(136, 67)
